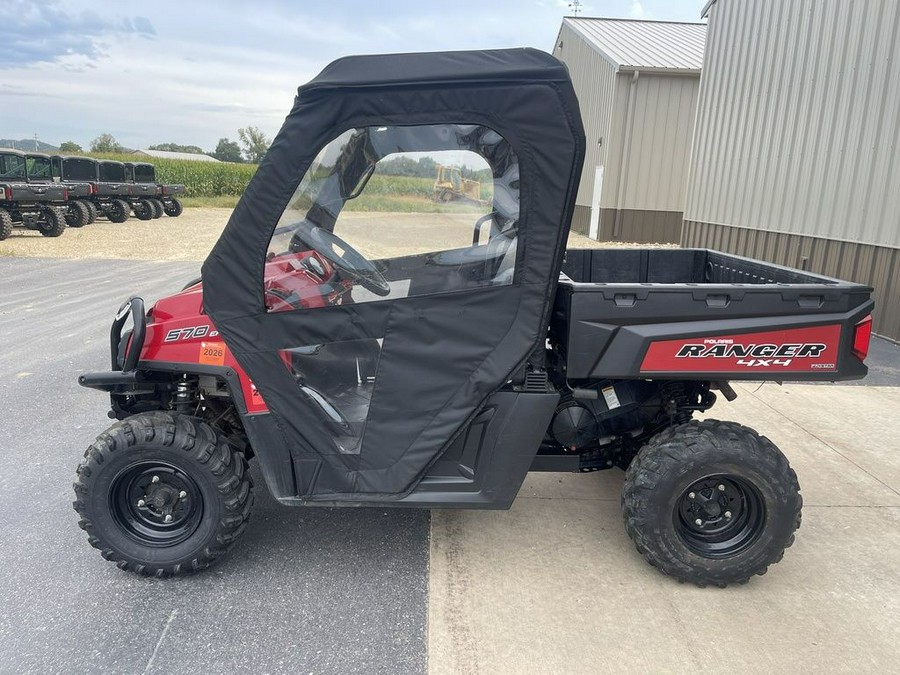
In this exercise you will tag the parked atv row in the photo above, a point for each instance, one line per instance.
(116, 188)
(34, 206)
(49, 193)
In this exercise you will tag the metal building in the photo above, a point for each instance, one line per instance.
(637, 84)
(796, 152)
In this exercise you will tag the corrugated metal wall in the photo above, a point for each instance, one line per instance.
(642, 139)
(594, 79)
(655, 167)
(798, 128)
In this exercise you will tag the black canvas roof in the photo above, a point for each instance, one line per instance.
(442, 68)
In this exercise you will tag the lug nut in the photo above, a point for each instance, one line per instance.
(728, 514)
(721, 488)
(691, 495)
(698, 522)
(168, 518)
(141, 502)
(182, 494)
(155, 479)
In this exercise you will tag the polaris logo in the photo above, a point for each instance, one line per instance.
(760, 351)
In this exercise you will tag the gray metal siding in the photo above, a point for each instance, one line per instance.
(658, 158)
(876, 266)
(594, 79)
(798, 129)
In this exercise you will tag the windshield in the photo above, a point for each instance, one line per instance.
(12, 166)
(112, 171)
(79, 169)
(144, 173)
(38, 168)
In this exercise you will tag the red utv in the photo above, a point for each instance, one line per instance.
(368, 346)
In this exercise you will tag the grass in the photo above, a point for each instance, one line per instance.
(220, 202)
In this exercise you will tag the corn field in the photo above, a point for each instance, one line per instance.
(200, 179)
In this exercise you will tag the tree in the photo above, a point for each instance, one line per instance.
(175, 147)
(70, 146)
(106, 143)
(228, 151)
(255, 143)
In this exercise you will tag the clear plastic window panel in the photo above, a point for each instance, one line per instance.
(391, 212)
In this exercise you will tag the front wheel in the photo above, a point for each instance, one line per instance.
(92, 210)
(173, 208)
(162, 494)
(711, 503)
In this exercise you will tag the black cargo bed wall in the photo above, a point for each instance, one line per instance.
(676, 266)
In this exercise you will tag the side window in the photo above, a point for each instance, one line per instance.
(392, 212)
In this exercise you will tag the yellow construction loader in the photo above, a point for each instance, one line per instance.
(449, 185)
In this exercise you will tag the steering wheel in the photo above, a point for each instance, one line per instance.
(352, 263)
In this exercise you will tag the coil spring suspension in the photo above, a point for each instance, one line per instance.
(184, 395)
(676, 402)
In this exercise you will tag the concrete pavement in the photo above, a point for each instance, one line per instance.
(555, 586)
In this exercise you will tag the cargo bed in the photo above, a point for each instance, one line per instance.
(676, 313)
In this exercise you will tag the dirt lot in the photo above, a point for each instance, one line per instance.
(192, 235)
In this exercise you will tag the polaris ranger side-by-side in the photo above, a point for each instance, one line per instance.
(32, 205)
(368, 346)
(144, 200)
(142, 175)
(38, 169)
(108, 193)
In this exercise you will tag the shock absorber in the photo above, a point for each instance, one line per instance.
(675, 401)
(184, 395)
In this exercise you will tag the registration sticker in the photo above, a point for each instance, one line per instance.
(212, 353)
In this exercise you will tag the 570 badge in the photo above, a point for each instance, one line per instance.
(190, 333)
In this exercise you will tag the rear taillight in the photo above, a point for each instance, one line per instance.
(161, 189)
(93, 188)
(65, 194)
(862, 337)
(7, 193)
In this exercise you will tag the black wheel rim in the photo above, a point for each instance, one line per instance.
(719, 516)
(156, 504)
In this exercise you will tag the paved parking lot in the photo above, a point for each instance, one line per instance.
(552, 586)
(304, 591)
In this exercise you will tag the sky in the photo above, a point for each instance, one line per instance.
(192, 72)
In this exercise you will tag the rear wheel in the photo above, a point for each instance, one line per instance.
(173, 208)
(158, 208)
(77, 214)
(53, 223)
(162, 494)
(143, 210)
(711, 503)
(6, 224)
(118, 211)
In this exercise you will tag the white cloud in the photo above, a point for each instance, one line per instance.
(637, 11)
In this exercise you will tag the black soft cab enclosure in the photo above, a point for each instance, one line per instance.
(434, 332)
